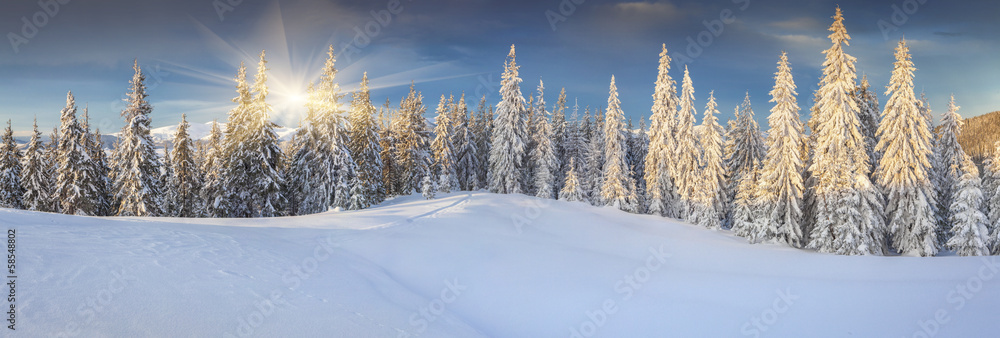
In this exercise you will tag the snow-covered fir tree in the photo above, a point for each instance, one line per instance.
(527, 172)
(703, 211)
(616, 180)
(595, 161)
(848, 206)
(412, 142)
(427, 187)
(744, 147)
(686, 151)
(137, 166)
(186, 181)
(359, 194)
(869, 115)
(467, 164)
(483, 135)
(387, 137)
(365, 148)
(949, 166)
(638, 148)
(576, 142)
(559, 138)
(507, 142)
(72, 160)
(96, 173)
(904, 170)
(542, 159)
(970, 233)
(746, 207)
(262, 154)
(166, 173)
(571, 190)
(661, 194)
(321, 154)
(781, 175)
(444, 157)
(11, 192)
(713, 167)
(991, 182)
(100, 176)
(213, 203)
(36, 179)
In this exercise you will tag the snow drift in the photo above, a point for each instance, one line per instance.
(471, 264)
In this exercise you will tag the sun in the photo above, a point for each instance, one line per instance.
(297, 99)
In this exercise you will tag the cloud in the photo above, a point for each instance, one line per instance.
(648, 10)
(950, 34)
(799, 24)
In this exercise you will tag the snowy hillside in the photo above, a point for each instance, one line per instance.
(203, 132)
(467, 265)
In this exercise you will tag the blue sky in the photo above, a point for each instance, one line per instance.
(190, 51)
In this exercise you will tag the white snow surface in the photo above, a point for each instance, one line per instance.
(469, 265)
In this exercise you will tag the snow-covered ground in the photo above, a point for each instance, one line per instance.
(471, 264)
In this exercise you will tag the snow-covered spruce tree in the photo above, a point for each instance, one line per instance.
(638, 148)
(413, 142)
(427, 187)
(991, 182)
(596, 159)
(359, 194)
(781, 174)
(467, 154)
(72, 158)
(661, 194)
(746, 206)
(444, 158)
(571, 190)
(615, 184)
(137, 166)
(387, 139)
(745, 146)
(949, 167)
(904, 171)
(51, 154)
(482, 133)
(507, 142)
(186, 181)
(457, 116)
(848, 206)
(686, 151)
(713, 167)
(95, 180)
(36, 178)
(262, 153)
(320, 147)
(365, 148)
(527, 172)
(869, 115)
(543, 158)
(970, 234)
(576, 143)
(211, 193)
(11, 192)
(101, 178)
(703, 211)
(559, 138)
(167, 208)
